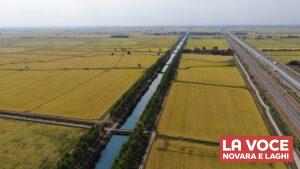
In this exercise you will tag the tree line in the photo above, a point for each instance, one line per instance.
(214, 51)
(133, 150)
(87, 150)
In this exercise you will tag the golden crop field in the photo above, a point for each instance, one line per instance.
(91, 100)
(59, 93)
(172, 154)
(53, 74)
(209, 43)
(284, 56)
(227, 76)
(196, 60)
(206, 112)
(207, 100)
(275, 43)
(27, 145)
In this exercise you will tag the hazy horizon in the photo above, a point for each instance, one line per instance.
(140, 13)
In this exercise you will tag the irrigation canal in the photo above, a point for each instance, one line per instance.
(114, 145)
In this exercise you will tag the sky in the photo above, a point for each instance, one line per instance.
(27, 13)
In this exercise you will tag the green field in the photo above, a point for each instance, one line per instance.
(26, 145)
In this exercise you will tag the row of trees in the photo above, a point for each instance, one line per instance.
(294, 63)
(214, 51)
(133, 150)
(282, 49)
(86, 151)
(206, 33)
(124, 107)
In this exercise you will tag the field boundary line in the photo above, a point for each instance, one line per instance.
(36, 81)
(211, 84)
(82, 68)
(185, 139)
(213, 155)
(209, 61)
(69, 90)
(37, 61)
(190, 67)
(22, 116)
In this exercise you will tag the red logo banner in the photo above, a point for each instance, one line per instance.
(256, 149)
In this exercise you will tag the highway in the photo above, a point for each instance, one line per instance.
(285, 74)
(284, 102)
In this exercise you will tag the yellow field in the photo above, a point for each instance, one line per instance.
(275, 43)
(206, 112)
(170, 154)
(78, 75)
(103, 61)
(86, 94)
(91, 100)
(227, 76)
(205, 102)
(285, 59)
(284, 56)
(208, 101)
(6, 73)
(195, 60)
(27, 145)
(209, 43)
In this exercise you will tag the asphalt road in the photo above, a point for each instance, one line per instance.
(286, 103)
(287, 75)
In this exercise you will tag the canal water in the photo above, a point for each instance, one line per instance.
(114, 145)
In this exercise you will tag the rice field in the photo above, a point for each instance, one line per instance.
(224, 76)
(206, 101)
(283, 57)
(275, 43)
(59, 93)
(92, 99)
(206, 112)
(52, 75)
(195, 60)
(172, 154)
(209, 43)
(26, 145)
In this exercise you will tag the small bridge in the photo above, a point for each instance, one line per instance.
(121, 132)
